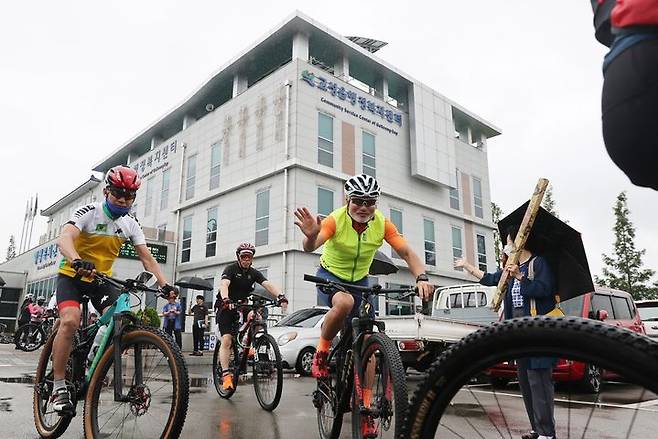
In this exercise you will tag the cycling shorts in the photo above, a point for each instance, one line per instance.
(70, 292)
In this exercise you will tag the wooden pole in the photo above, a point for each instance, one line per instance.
(521, 238)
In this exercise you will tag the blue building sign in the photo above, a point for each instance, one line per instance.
(343, 94)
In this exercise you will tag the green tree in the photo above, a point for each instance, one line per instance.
(548, 202)
(496, 213)
(11, 250)
(624, 270)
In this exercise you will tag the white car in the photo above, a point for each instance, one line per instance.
(649, 315)
(297, 335)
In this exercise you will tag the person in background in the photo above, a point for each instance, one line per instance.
(523, 293)
(172, 319)
(237, 285)
(37, 310)
(200, 323)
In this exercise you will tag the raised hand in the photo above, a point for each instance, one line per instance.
(307, 222)
(460, 262)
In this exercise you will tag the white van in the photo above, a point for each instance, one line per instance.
(468, 302)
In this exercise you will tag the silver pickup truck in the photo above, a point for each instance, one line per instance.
(456, 312)
(421, 338)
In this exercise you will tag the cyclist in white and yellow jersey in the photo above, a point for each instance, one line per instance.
(351, 235)
(90, 242)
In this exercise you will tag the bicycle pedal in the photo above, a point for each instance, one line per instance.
(366, 411)
(317, 399)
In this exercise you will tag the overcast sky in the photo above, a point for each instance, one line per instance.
(78, 79)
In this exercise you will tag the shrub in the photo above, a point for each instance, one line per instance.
(149, 317)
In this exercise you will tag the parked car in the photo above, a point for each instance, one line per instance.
(297, 335)
(649, 315)
(614, 307)
(466, 303)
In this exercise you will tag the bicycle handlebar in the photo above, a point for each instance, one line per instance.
(127, 283)
(375, 289)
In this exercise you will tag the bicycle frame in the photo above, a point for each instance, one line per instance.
(112, 318)
(255, 326)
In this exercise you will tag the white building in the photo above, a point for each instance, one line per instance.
(283, 125)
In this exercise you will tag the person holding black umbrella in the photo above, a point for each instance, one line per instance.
(531, 291)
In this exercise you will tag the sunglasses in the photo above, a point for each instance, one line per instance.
(246, 256)
(123, 193)
(369, 202)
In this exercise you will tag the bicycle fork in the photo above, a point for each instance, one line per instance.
(118, 367)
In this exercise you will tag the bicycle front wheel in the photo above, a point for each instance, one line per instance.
(47, 422)
(382, 394)
(268, 372)
(154, 407)
(30, 337)
(456, 398)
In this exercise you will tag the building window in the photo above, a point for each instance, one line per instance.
(397, 307)
(263, 271)
(454, 195)
(430, 243)
(162, 232)
(325, 140)
(187, 239)
(457, 244)
(148, 203)
(215, 161)
(325, 202)
(482, 253)
(368, 154)
(164, 195)
(190, 177)
(211, 233)
(396, 219)
(262, 217)
(477, 197)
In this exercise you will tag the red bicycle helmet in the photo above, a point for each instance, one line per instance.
(245, 247)
(123, 177)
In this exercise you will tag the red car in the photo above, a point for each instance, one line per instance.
(614, 307)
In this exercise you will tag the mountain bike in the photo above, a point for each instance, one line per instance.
(33, 335)
(253, 345)
(137, 382)
(456, 400)
(363, 359)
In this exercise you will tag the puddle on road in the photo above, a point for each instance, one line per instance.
(25, 379)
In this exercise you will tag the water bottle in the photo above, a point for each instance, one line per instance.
(97, 342)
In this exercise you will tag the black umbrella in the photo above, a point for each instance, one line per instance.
(194, 283)
(382, 264)
(561, 245)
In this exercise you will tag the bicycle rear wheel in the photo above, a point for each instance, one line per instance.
(48, 423)
(155, 408)
(268, 372)
(333, 394)
(384, 377)
(30, 337)
(217, 370)
(454, 399)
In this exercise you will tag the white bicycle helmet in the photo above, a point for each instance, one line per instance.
(362, 186)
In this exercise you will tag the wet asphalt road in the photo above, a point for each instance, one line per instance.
(241, 417)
